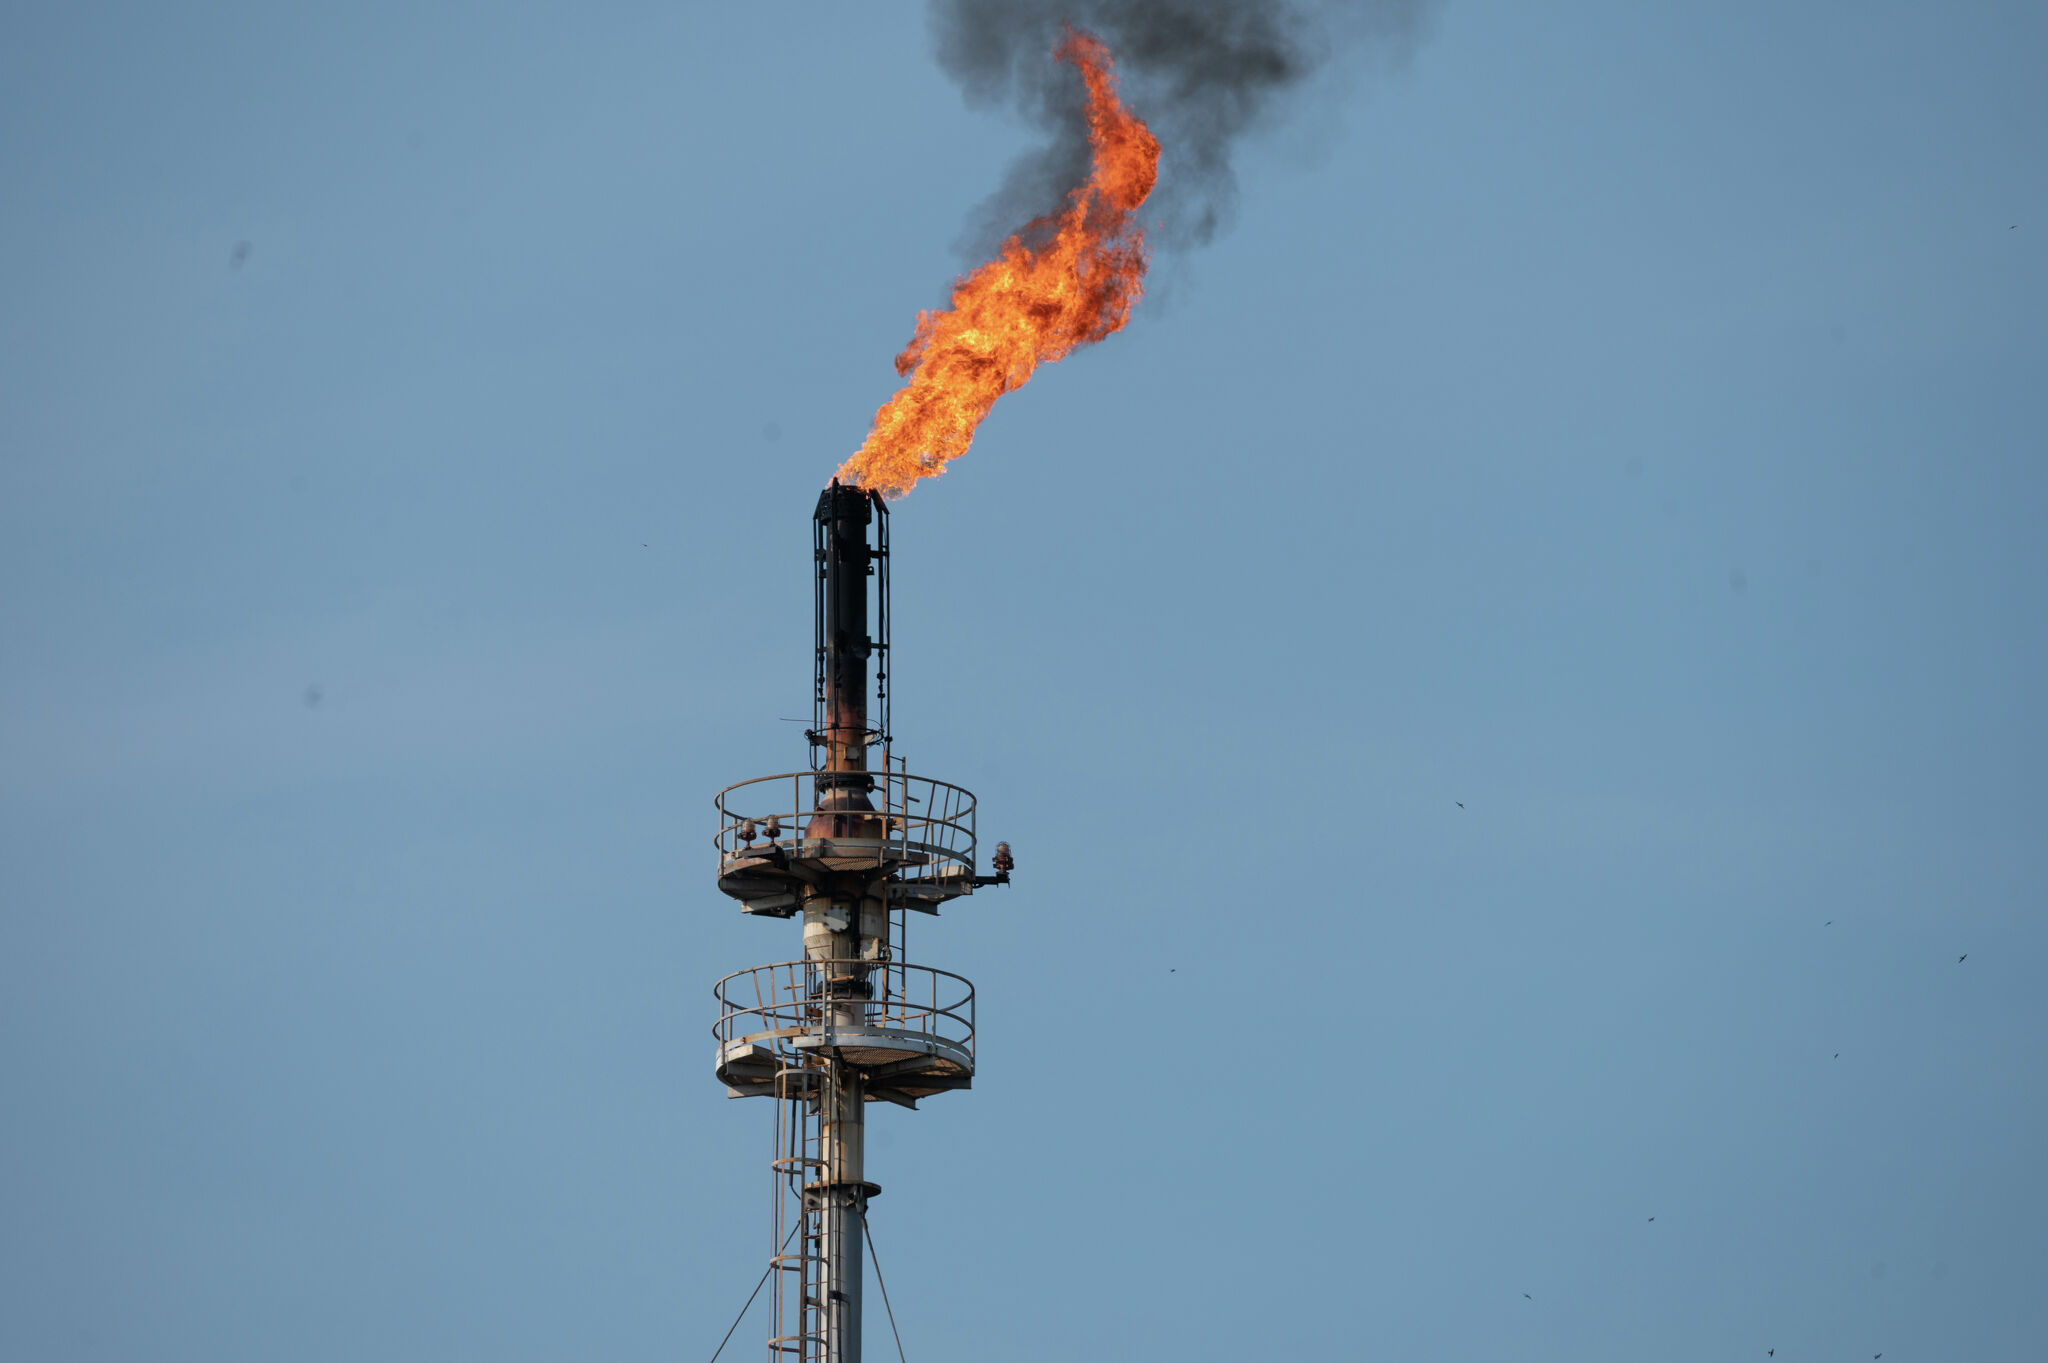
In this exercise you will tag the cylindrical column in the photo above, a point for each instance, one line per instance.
(833, 912)
(845, 920)
(841, 1195)
(843, 516)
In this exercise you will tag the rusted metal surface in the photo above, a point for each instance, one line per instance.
(845, 565)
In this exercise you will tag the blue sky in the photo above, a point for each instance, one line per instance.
(1627, 420)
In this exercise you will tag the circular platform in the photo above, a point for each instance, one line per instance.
(912, 1038)
(779, 834)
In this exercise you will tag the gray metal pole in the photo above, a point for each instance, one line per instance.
(842, 1199)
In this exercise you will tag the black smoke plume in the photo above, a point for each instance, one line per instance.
(1200, 72)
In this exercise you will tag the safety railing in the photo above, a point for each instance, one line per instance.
(923, 827)
(815, 1002)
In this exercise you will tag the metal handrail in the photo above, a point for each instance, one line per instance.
(790, 999)
(926, 825)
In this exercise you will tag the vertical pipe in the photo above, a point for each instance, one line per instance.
(841, 914)
(842, 1195)
(834, 926)
(844, 514)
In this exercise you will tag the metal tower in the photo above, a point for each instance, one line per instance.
(853, 846)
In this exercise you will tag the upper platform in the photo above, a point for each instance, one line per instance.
(779, 834)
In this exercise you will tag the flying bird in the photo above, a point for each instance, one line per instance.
(1527, 1297)
(1653, 1218)
(1459, 803)
(1830, 923)
(1770, 1353)
(1964, 957)
(1838, 1055)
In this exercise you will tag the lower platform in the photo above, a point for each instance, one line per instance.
(908, 1029)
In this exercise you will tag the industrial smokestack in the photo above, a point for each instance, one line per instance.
(852, 1021)
(846, 566)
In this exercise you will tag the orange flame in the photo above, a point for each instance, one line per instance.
(1062, 282)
